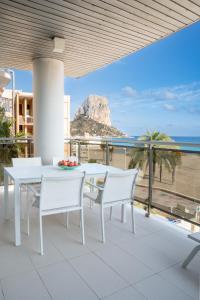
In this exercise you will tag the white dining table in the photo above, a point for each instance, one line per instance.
(25, 175)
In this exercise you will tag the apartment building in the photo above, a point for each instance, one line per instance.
(24, 113)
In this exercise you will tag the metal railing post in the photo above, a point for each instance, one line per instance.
(29, 148)
(70, 148)
(150, 158)
(107, 154)
(79, 151)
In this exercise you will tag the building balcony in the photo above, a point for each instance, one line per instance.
(21, 120)
(29, 120)
(25, 120)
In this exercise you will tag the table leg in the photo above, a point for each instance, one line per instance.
(17, 214)
(92, 182)
(191, 256)
(91, 190)
(6, 199)
(123, 213)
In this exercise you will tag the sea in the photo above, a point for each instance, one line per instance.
(188, 139)
(178, 139)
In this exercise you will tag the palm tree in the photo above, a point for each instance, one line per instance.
(164, 158)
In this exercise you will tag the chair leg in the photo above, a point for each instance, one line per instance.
(28, 208)
(102, 224)
(91, 203)
(191, 256)
(91, 190)
(123, 213)
(110, 213)
(82, 227)
(22, 206)
(41, 236)
(133, 217)
(28, 218)
(66, 219)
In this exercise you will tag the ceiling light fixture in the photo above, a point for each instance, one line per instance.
(58, 44)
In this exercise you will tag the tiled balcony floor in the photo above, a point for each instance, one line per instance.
(146, 265)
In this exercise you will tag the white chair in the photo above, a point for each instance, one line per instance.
(57, 159)
(118, 189)
(26, 162)
(60, 195)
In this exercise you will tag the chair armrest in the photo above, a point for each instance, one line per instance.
(95, 186)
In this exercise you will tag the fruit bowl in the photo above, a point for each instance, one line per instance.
(68, 165)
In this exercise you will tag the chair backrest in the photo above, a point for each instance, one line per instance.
(119, 186)
(27, 162)
(61, 192)
(57, 159)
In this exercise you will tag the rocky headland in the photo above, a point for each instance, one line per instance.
(93, 119)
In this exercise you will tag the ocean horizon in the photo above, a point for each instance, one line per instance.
(178, 139)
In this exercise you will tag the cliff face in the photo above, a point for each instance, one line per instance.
(95, 108)
(93, 119)
(84, 126)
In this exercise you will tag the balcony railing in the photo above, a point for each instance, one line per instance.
(29, 120)
(169, 172)
(21, 120)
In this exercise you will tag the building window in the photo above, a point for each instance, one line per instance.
(20, 109)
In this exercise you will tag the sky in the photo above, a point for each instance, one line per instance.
(156, 88)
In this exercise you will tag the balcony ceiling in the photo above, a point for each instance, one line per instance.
(96, 32)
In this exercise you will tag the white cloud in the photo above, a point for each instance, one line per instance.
(184, 96)
(170, 95)
(169, 107)
(129, 91)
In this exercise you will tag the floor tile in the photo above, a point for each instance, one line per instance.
(13, 260)
(175, 249)
(64, 283)
(156, 259)
(194, 265)
(102, 279)
(156, 288)
(24, 286)
(6, 233)
(120, 269)
(1, 294)
(93, 243)
(186, 279)
(126, 294)
(69, 243)
(51, 254)
(128, 266)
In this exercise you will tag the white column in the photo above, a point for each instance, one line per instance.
(48, 107)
